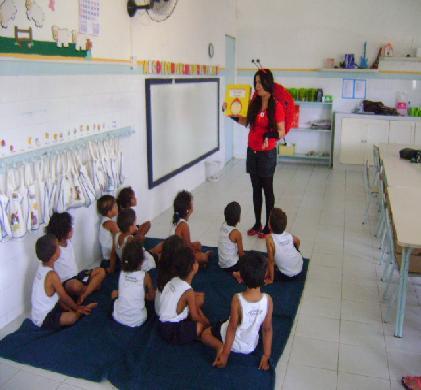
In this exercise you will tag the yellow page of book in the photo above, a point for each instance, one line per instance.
(237, 97)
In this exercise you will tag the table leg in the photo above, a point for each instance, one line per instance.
(403, 284)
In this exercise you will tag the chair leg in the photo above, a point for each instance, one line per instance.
(388, 282)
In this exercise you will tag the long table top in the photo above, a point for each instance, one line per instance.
(405, 205)
(399, 173)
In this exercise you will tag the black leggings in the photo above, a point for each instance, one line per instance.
(266, 184)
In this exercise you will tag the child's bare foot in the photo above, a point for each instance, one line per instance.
(237, 277)
(114, 294)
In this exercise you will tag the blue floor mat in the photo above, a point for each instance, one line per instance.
(97, 347)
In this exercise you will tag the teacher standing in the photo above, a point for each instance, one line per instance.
(266, 119)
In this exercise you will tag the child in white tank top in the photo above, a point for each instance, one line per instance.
(127, 199)
(134, 286)
(250, 310)
(282, 250)
(181, 319)
(183, 208)
(126, 222)
(230, 241)
(51, 307)
(76, 283)
(108, 228)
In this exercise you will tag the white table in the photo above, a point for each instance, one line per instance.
(405, 205)
(399, 173)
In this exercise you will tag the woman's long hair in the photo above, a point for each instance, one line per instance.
(268, 84)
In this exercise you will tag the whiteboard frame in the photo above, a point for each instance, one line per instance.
(149, 83)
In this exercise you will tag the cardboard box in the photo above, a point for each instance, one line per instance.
(237, 97)
(286, 149)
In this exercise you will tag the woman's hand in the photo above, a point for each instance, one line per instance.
(265, 143)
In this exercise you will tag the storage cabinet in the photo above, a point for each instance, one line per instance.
(358, 134)
(417, 134)
(401, 132)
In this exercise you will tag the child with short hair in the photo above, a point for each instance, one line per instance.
(80, 284)
(126, 222)
(108, 228)
(250, 310)
(183, 208)
(127, 199)
(134, 286)
(181, 320)
(52, 308)
(166, 265)
(282, 249)
(230, 242)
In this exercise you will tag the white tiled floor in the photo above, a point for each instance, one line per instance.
(338, 340)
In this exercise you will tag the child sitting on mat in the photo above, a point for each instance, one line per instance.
(79, 284)
(166, 265)
(108, 228)
(126, 222)
(52, 307)
(134, 286)
(181, 319)
(230, 242)
(183, 208)
(282, 249)
(250, 310)
(127, 199)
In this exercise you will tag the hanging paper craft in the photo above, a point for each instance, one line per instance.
(34, 12)
(16, 218)
(8, 12)
(5, 230)
(89, 17)
(33, 211)
(52, 5)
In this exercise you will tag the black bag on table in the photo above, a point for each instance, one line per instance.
(409, 154)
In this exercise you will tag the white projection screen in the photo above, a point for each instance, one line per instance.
(182, 117)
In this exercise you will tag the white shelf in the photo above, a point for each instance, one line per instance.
(401, 59)
(299, 156)
(303, 103)
(310, 129)
(341, 70)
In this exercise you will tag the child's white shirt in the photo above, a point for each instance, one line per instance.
(42, 304)
(252, 316)
(288, 260)
(148, 260)
(174, 227)
(129, 307)
(227, 250)
(168, 302)
(66, 266)
(105, 238)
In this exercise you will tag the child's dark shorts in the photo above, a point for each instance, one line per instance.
(52, 319)
(83, 277)
(234, 268)
(216, 330)
(183, 332)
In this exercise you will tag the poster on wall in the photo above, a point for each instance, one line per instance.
(354, 89)
(89, 17)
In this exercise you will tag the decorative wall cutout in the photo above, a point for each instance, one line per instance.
(8, 12)
(34, 12)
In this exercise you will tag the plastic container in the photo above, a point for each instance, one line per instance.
(402, 103)
(213, 170)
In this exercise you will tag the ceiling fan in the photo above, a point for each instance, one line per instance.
(157, 10)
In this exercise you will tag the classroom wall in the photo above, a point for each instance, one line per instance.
(302, 33)
(182, 38)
